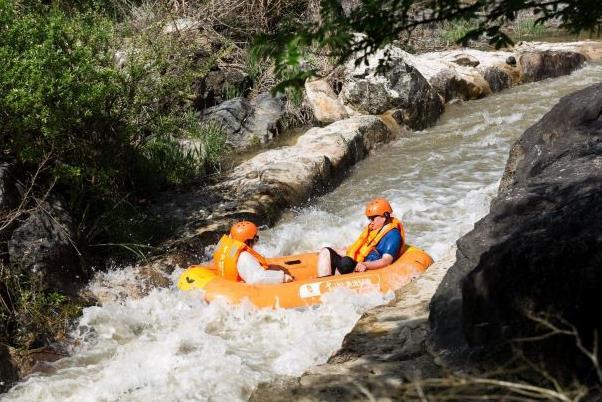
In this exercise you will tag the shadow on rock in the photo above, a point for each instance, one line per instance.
(531, 268)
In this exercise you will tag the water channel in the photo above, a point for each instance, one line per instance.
(169, 346)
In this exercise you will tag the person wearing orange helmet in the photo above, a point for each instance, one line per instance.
(379, 244)
(235, 258)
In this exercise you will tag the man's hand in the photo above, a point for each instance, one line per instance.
(288, 278)
(360, 267)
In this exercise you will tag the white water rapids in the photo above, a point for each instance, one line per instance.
(171, 346)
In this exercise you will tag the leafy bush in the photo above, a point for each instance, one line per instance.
(104, 103)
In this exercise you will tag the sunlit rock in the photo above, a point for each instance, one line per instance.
(370, 89)
(319, 158)
(326, 106)
(464, 84)
(466, 73)
(471, 74)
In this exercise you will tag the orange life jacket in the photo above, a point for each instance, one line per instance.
(368, 240)
(226, 256)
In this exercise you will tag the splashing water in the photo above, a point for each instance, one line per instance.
(171, 346)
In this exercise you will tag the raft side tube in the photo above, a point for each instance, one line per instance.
(196, 277)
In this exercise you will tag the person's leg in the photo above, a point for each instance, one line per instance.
(328, 261)
(324, 263)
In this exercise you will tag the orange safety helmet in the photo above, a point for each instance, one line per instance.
(243, 231)
(378, 207)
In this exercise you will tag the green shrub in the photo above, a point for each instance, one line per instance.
(214, 140)
(106, 130)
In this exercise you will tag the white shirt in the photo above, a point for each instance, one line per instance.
(251, 271)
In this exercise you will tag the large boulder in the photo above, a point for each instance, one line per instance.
(537, 255)
(460, 83)
(399, 87)
(470, 73)
(44, 246)
(247, 124)
(467, 73)
(536, 66)
(321, 156)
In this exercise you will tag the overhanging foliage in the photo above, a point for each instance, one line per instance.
(380, 22)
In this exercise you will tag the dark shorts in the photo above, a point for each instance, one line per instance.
(345, 265)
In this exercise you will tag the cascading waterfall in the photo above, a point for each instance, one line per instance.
(171, 346)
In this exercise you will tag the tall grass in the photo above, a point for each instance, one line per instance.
(526, 28)
(453, 31)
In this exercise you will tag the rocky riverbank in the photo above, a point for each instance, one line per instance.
(528, 270)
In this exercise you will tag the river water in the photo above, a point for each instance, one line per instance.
(170, 346)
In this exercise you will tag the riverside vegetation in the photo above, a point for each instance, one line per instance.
(97, 101)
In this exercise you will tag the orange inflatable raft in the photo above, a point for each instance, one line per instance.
(306, 289)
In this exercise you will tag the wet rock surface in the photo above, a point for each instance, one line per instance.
(538, 253)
